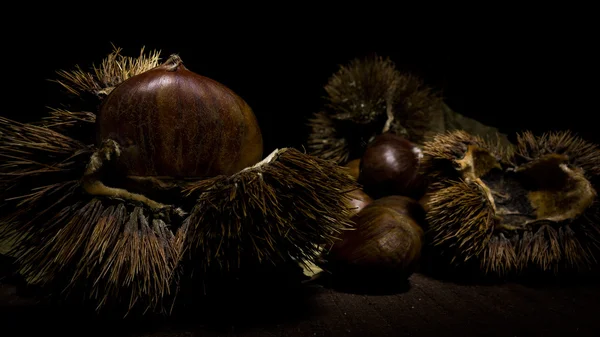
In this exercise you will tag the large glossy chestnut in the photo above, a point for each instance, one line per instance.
(173, 122)
(386, 240)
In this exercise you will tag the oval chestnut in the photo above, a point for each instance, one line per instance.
(385, 240)
(173, 122)
(390, 166)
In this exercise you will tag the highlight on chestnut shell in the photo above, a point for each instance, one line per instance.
(358, 200)
(511, 211)
(173, 122)
(390, 166)
(386, 242)
(120, 220)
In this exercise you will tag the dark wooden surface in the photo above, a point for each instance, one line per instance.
(428, 307)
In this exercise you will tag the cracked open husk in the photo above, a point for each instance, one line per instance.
(370, 96)
(532, 207)
(366, 98)
(113, 247)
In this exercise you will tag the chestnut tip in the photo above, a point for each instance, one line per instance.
(173, 62)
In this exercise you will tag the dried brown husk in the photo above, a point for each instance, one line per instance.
(368, 97)
(279, 210)
(112, 251)
(114, 69)
(65, 240)
(75, 124)
(496, 208)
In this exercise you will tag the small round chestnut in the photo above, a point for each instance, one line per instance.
(386, 240)
(390, 166)
(170, 121)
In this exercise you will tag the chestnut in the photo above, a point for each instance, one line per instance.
(358, 200)
(170, 121)
(390, 166)
(386, 240)
(406, 206)
(353, 167)
(173, 196)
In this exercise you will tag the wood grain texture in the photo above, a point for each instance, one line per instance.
(429, 308)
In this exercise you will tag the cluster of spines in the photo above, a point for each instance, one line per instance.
(365, 98)
(117, 250)
(461, 220)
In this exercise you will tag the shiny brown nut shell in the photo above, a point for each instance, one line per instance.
(359, 200)
(405, 206)
(389, 166)
(384, 240)
(173, 122)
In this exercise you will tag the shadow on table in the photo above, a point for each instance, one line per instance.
(365, 283)
(268, 300)
(471, 274)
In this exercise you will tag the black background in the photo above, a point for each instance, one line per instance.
(511, 69)
(538, 74)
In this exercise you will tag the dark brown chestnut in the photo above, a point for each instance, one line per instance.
(353, 168)
(170, 121)
(406, 206)
(386, 240)
(390, 166)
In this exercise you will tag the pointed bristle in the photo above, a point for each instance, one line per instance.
(19, 139)
(63, 121)
(500, 256)
(114, 69)
(72, 226)
(440, 153)
(108, 253)
(117, 68)
(37, 172)
(541, 250)
(368, 97)
(69, 243)
(450, 145)
(460, 219)
(280, 210)
(519, 241)
(580, 152)
(416, 109)
(363, 85)
(324, 140)
(104, 236)
(574, 252)
(142, 260)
